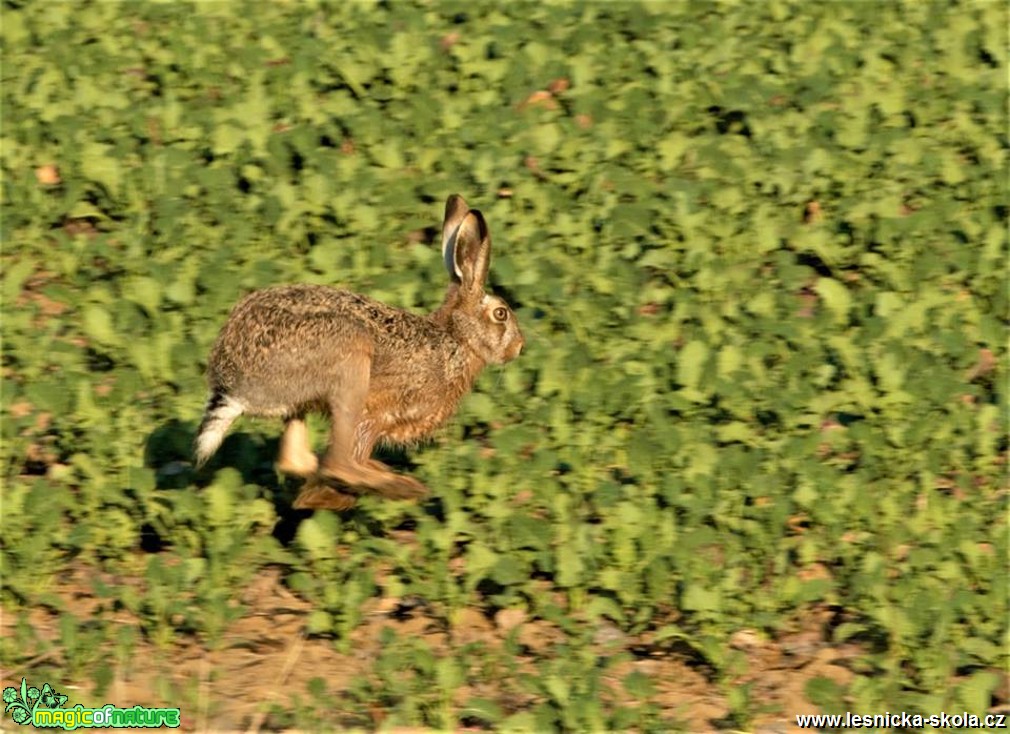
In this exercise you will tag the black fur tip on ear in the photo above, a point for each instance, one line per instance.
(455, 205)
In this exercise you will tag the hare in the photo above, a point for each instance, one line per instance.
(380, 373)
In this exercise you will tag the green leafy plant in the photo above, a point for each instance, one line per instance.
(762, 284)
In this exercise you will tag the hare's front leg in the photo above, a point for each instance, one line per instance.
(295, 456)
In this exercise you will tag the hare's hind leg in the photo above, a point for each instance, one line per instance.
(371, 475)
(347, 458)
(367, 476)
(394, 486)
(295, 456)
(317, 495)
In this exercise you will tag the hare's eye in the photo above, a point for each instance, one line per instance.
(500, 314)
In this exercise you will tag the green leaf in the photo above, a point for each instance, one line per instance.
(824, 693)
(220, 497)
(479, 561)
(976, 692)
(508, 571)
(558, 688)
(691, 363)
(639, 685)
(99, 164)
(836, 298)
(318, 535)
(483, 709)
(604, 606)
(545, 138)
(15, 277)
(698, 598)
(730, 359)
(97, 323)
(481, 406)
(318, 622)
(144, 291)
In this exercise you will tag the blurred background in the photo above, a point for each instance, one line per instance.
(751, 464)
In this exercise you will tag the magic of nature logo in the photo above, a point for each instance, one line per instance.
(46, 708)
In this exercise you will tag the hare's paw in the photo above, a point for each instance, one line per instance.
(389, 484)
(377, 466)
(372, 477)
(400, 487)
(347, 476)
(295, 456)
(304, 465)
(317, 496)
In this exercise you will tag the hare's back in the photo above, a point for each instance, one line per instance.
(283, 332)
(301, 315)
(288, 301)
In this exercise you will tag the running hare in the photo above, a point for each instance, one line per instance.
(380, 373)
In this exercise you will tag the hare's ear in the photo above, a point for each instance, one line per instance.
(472, 252)
(455, 210)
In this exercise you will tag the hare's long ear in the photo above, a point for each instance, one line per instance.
(455, 211)
(472, 252)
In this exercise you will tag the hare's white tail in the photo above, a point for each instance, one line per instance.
(221, 412)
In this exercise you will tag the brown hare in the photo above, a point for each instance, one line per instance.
(380, 373)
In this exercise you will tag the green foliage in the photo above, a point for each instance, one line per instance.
(759, 252)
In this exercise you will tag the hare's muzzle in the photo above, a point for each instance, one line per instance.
(517, 347)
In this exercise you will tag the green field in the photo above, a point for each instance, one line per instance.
(751, 463)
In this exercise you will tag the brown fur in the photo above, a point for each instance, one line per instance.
(378, 372)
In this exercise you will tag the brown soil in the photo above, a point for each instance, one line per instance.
(265, 661)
